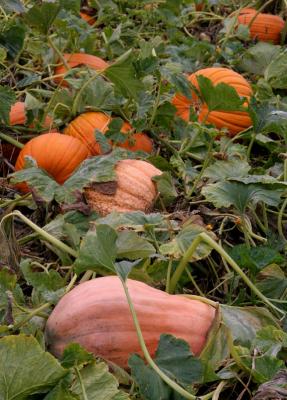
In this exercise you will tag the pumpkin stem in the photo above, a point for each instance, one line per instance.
(203, 237)
(10, 140)
(145, 351)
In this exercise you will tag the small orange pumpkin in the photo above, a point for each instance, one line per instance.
(88, 18)
(234, 121)
(17, 116)
(265, 27)
(96, 315)
(59, 155)
(134, 191)
(76, 60)
(83, 127)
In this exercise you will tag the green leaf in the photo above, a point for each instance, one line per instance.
(7, 99)
(150, 384)
(239, 195)
(222, 170)
(99, 384)
(267, 118)
(272, 282)
(173, 356)
(122, 73)
(26, 369)
(255, 258)
(60, 392)
(245, 322)
(75, 355)
(42, 16)
(165, 187)
(98, 249)
(131, 246)
(178, 246)
(49, 284)
(123, 268)
(134, 219)
(257, 58)
(13, 40)
(221, 97)
(275, 73)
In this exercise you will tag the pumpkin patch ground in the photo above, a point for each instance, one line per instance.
(143, 200)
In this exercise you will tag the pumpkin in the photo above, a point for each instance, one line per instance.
(134, 189)
(88, 18)
(17, 116)
(96, 315)
(77, 60)
(234, 121)
(265, 27)
(59, 155)
(83, 127)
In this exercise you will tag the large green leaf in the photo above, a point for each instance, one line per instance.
(275, 73)
(221, 97)
(98, 382)
(222, 170)
(13, 40)
(42, 16)
(98, 249)
(131, 246)
(267, 118)
(122, 73)
(239, 195)
(257, 58)
(7, 99)
(25, 368)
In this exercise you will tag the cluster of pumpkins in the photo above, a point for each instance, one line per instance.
(61, 153)
(95, 313)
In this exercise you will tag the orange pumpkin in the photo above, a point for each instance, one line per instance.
(234, 121)
(57, 154)
(18, 116)
(134, 190)
(96, 315)
(83, 127)
(89, 18)
(76, 60)
(265, 27)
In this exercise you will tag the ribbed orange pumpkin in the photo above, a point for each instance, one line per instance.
(234, 121)
(96, 315)
(135, 190)
(83, 127)
(265, 27)
(18, 116)
(89, 18)
(57, 154)
(76, 60)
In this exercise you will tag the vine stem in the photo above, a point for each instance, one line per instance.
(56, 242)
(149, 359)
(279, 220)
(10, 140)
(31, 315)
(58, 52)
(156, 104)
(203, 237)
(78, 373)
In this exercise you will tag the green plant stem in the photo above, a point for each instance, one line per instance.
(78, 95)
(203, 237)
(218, 390)
(30, 316)
(250, 146)
(203, 299)
(279, 220)
(45, 235)
(194, 282)
(10, 140)
(234, 353)
(168, 275)
(78, 373)
(58, 52)
(204, 166)
(149, 359)
(156, 104)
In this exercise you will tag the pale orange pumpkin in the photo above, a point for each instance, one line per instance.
(134, 190)
(83, 127)
(59, 155)
(265, 27)
(234, 121)
(77, 60)
(96, 315)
